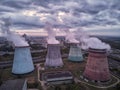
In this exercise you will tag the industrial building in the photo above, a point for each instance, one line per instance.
(18, 84)
(57, 77)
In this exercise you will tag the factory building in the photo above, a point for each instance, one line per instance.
(57, 77)
(18, 84)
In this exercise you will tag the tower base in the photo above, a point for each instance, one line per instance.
(75, 59)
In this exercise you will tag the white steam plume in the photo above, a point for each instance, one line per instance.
(95, 43)
(12, 36)
(91, 42)
(17, 40)
(51, 34)
(81, 34)
(70, 37)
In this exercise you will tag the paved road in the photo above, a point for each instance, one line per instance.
(102, 87)
(44, 87)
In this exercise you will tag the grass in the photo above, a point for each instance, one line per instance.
(76, 69)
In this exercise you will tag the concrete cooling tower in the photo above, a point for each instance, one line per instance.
(97, 65)
(22, 63)
(75, 53)
(53, 58)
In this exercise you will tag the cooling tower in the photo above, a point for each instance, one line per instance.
(22, 63)
(75, 53)
(53, 58)
(97, 65)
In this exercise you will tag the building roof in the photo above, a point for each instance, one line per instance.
(58, 75)
(13, 84)
(97, 50)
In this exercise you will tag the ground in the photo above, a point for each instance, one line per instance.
(76, 68)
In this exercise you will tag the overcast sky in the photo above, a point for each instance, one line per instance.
(87, 14)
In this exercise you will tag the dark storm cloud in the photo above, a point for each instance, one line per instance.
(17, 4)
(28, 20)
(6, 9)
(82, 12)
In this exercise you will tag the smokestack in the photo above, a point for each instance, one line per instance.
(22, 63)
(97, 65)
(75, 53)
(53, 58)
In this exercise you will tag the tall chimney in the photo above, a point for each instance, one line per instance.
(22, 63)
(97, 65)
(53, 58)
(75, 53)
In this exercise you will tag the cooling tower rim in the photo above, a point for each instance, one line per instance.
(23, 73)
(97, 50)
(53, 44)
(72, 43)
(22, 46)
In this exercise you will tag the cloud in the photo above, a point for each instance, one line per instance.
(17, 4)
(6, 9)
(77, 13)
(97, 2)
(26, 20)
